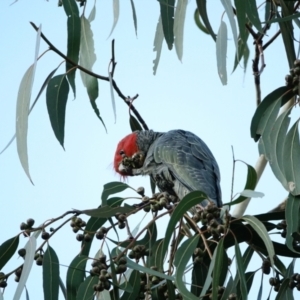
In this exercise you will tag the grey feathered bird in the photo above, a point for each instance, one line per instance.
(178, 160)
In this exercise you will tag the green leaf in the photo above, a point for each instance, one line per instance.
(252, 13)
(87, 59)
(287, 33)
(138, 267)
(56, 98)
(113, 188)
(157, 44)
(50, 274)
(291, 159)
(92, 15)
(262, 232)
(73, 46)
(189, 201)
(86, 291)
(220, 269)
(134, 16)
(277, 137)
(75, 276)
(8, 249)
(198, 22)
(134, 281)
(292, 219)
(23, 102)
(229, 11)
(182, 257)
(167, 17)
(107, 211)
(265, 127)
(240, 7)
(134, 124)
(33, 104)
(250, 184)
(112, 96)
(288, 18)
(229, 289)
(116, 12)
(201, 4)
(179, 20)
(156, 258)
(221, 46)
(282, 92)
(285, 292)
(242, 52)
(30, 248)
(241, 271)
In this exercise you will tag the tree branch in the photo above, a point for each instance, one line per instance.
(116, 88)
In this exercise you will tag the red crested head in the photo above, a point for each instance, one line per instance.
(127, 146)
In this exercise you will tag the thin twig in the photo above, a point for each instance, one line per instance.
(116, 88)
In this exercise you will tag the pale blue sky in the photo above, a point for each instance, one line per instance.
(187, 95)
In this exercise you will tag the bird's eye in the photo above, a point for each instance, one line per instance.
(122, 152)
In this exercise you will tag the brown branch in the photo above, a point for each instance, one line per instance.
(116, 88)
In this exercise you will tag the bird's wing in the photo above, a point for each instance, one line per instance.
(190, 161)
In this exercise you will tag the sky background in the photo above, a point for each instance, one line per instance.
(187, 95)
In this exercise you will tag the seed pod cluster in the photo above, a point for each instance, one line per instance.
(99, 268)
(207, 214)
(3, 282)
(121, 265)
(143, 286)
(282, 226)
(77, 224)
(198, 256)
(101, 233)
(266, 266)
(292, 80)
(121, 220)
(26, 227)
(138, 251)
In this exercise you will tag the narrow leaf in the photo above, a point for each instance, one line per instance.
(277, 137)
(33, 104)
(157, 44)
(50, 274)
(182, 257)
(134, 281)
(134, 16)
(92, 15)
(7, 250)
(252, 13)
(229, 11)
(262, 232)
(250, 184)
(73, 45)
(28, 262)
(291, 158)
(113, 188)
(116, 12)
(56, 97)
(241, 271)
(167, 17)
(75, 276)
(201, 4)
(282, 92)
(134, 124)
(221, 50)
(85, 290)
(179, 20)
(240, 7)
(189, 201)
(112, 96)
(88, 58)
(107, 211)
(292, 219)
(252, 194)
